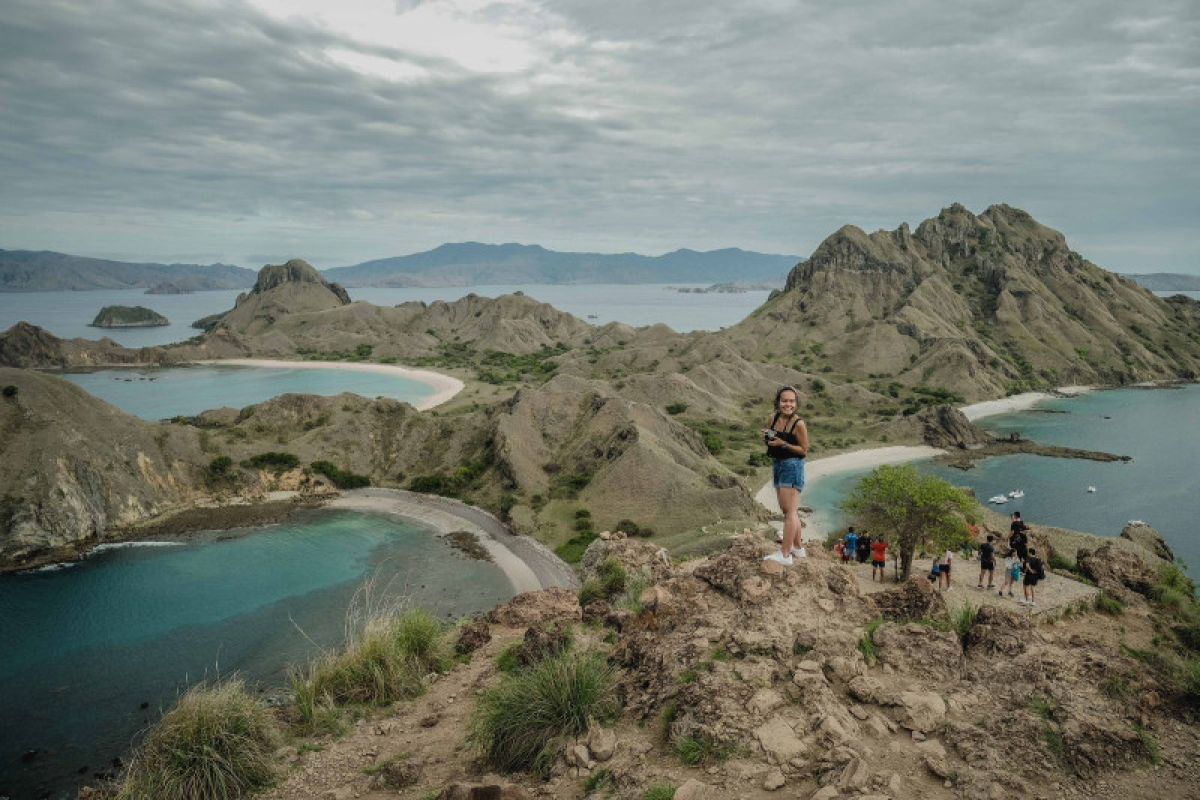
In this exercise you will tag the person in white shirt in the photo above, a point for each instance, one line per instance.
(944, 573)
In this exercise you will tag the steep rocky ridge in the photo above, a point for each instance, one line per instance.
(976, 304)
(74, 468)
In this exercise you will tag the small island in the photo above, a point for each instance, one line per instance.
(128, 317)
(169, 287)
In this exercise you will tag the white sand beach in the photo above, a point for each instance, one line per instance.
(444, 386)
(1018, 402)
(528, 564)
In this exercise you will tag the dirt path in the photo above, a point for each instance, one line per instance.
(1054, 593)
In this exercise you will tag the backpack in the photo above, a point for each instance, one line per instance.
(1037, 568)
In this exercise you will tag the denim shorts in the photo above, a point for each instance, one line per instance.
(789, 472)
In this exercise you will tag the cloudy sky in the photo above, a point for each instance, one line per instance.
(252, 130)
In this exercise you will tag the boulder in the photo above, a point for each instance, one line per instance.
(911, 600)
(693, 789)
(602, 743)
(530, 608)
(922, 711)
(779, 741)
(472, 636)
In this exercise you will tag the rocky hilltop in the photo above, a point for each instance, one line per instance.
(980, 305)
(739, 678)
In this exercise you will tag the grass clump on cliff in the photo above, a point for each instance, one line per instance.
(866, 645)
(387, 661)
(341, 478)
(273, 461)
(522, 723)
(216, 743)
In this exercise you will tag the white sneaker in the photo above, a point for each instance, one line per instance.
(779, 559)
(779, 536)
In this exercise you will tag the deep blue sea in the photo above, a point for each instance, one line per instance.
(84, 647)
(67, 314)
(1159, 428)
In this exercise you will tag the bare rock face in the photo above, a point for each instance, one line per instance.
(947, 427)
(545, 639)
(740, 571)
(1116, 571)
(919, 649)
(998, 631)
(912, 600)
(530, 608)
(1149, 538)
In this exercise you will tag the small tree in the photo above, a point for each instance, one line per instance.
(910, 508)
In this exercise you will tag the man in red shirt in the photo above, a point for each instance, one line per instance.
(878, 558)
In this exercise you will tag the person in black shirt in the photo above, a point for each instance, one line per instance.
(1018, 539)
(987, 562)
(864, 548)
(1035, 570)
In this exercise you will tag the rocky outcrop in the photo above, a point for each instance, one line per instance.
(532, 608)
(1116, 571)
(128, 317)
(1149, 538)
(914, 599)
(945, 426)
(636, 556)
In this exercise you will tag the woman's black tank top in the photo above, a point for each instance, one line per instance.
(786, 435)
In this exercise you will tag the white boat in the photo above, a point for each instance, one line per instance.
(1016, 494)
(1091, 490)
(998, 499)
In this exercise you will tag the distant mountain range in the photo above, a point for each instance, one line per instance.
(1167, 281)
(463, 264)
(472, 263)
(44, 270)
(460, 264)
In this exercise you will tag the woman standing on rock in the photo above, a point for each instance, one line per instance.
(786, 437)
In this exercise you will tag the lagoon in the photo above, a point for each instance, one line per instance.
(155, 394)
(86, 645)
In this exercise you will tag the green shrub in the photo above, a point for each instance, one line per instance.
(962, 620)
(866, 644)
(571, 551)
(583, 513)
(523, 722)
(509, 660)
(276, 462)
(342, 479)
(676, 408)
(1059, 562)
(713, 443)
(659, 791)
(1149, 745)
(10, 391)
(216, 743)
(612, 577)
(600, 779)
(696, 750)
(1107, 604)
(592, 589)
(384, 663)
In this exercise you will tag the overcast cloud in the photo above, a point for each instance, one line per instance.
(253, 130)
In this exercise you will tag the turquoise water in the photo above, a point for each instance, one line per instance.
(67, 314)
(165, 393)
(1160, 429)
(86, 646)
